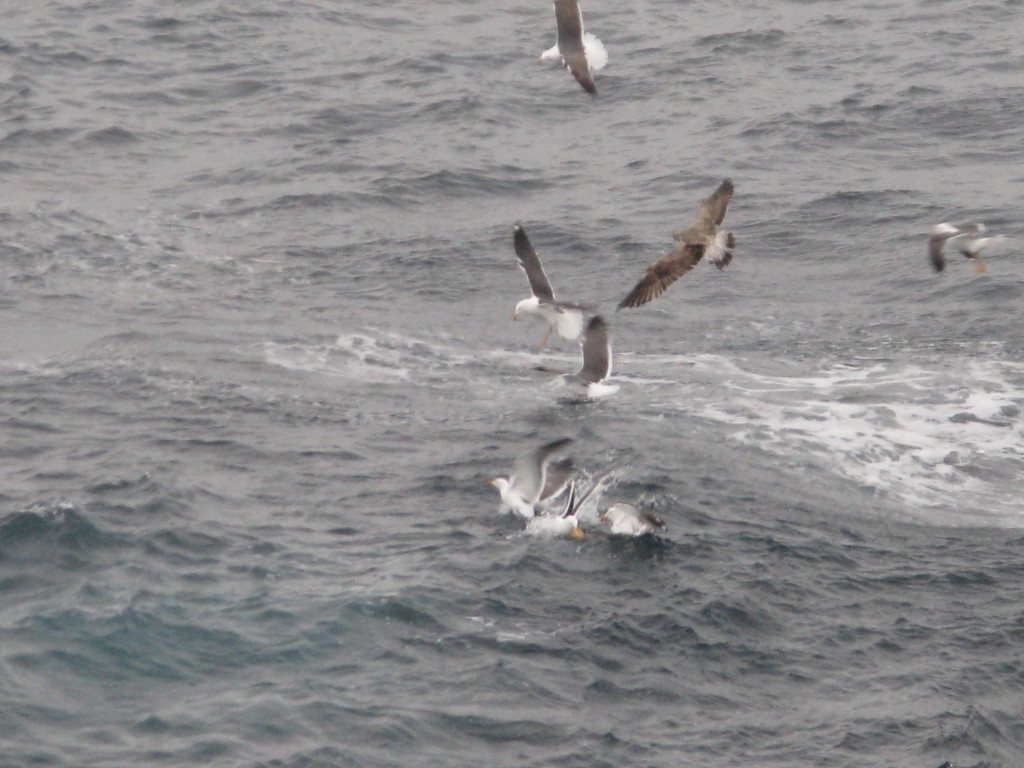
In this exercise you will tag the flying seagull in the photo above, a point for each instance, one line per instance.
(967, 238)
(566, 317)
(700, 239)
(522, 491)
(597, 362)
(579, 51)
(627, 520)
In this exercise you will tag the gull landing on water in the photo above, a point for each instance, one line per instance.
(702, 238)
(567, 318)
(579, 51)
(564, 524)
(967, 238)
(528, 485)
(597, 363)
(567, 523)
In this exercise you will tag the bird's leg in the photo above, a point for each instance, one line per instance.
(544, 341)
(979, 265)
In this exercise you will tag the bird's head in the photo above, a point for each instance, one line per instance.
(618, 512)
(525, 305)
(500, 484)
(945, 228)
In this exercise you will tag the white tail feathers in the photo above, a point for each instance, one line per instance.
(597, 56)
(570, 323)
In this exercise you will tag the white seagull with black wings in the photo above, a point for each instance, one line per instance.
(702, 238)
(566, 317)
(969, 239)
(597, 363)
(523, 490)
(579, 51)
(557, 526)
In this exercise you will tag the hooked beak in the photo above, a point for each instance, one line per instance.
(490, 483)
(603, 518)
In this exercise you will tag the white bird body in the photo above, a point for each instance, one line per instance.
(627, 520)
(564, 525)
(577, 50)
(565, 317)
(567, 320)
(593, 390)
(553, 527)
(512, 499)
(523, 490)
(592, 380)
(593, 48)
(966, 238)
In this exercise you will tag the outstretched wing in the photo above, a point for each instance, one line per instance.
(945, 233)
(530, 470)
(936, 251)
(558, 476)
(570, 42)
(662, 273)
(710, 213)
(597, 352)
(530, 262)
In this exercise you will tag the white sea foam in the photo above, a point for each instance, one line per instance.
(355, 357)
(947, 435)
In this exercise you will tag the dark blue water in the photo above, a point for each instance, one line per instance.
(257, 364)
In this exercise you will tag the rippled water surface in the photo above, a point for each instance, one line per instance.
(257, 365)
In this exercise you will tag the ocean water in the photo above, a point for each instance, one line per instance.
(257, 364)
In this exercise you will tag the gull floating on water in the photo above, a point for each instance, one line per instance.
(700, 239)
(627, 520)
(524, 489)
(579, 51)
(566, 317)
(967, 238)
(561, 525)
(567, 522)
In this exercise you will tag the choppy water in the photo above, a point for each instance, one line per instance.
(257, 364)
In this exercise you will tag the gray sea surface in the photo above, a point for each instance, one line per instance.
(257, 364)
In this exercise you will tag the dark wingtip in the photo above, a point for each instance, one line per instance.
(635, 299)
(519, 236)
(570, 506)
(561, 442)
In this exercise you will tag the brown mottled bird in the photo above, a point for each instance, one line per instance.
(579, 51)
(700, 239)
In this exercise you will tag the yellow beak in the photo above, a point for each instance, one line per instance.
(603, 518)
(576, 533)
